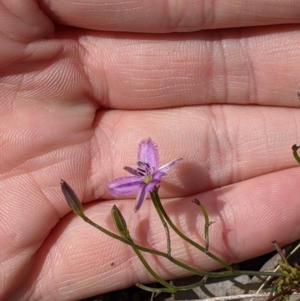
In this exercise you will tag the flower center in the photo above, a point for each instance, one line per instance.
(144, 171)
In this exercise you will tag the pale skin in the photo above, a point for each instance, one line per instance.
(77, 99)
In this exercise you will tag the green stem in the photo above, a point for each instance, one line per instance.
(171, 288)
(120, 238)
(147, 250)
(279, 251)
(175, 261)
(179, 288)
(206, 225)
(164, 224)
(120, 223)
(156, 199)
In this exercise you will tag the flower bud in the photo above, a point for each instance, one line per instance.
(196, 201)
(71, 198)
(119, 222)
(295, 153)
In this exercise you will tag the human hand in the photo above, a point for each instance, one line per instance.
(82, 83)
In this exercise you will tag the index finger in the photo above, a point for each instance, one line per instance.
(170, 16)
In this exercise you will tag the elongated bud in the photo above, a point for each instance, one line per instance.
(196, 201)
(119, 222)
(71, 198)
(295, 153)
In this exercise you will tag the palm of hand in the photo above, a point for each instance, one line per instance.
(57, 122)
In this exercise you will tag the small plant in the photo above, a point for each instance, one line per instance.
(144, 180)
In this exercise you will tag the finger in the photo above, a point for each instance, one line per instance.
(26, 220)
(220, 145)
(170, 16)
(224, 145)
(38, 145)
(248, 216)
(21, 24)
(246, 66)
(249, 66)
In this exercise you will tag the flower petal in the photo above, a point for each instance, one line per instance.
(157, 176)
(165, 168)
(148, 153)
(140, 199)
(125, 185)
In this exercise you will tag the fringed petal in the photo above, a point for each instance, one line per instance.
(148, 153)
(125, 185)
(140, 199)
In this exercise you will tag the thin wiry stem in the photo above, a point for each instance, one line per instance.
(163, 222)
(178, 288)
(77, 208)
(229, 298)
(156, 199)
(207, 223)
(175, 261)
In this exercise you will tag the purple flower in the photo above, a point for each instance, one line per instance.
(145, 177)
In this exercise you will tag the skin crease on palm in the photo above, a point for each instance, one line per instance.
(83, 82)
